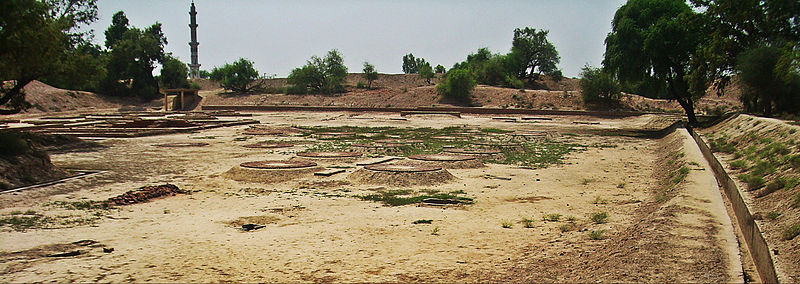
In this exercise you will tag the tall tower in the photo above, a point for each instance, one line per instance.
(194, 68)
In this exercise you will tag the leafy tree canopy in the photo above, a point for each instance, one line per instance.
(131, 63)
(651, 49)
(36, 36)
(533, 54)
(174, 73)
(598, 86)
(409, 64)
(238, 76)
(457, 86)
(370, 74)
(320, 75)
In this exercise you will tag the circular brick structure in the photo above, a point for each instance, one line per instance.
(278, 164)
(441, 158)
(330, 155)
(398, 141)
(471, 151)
(402, 168)
(182, 144)
(496, 144)
(268, 145)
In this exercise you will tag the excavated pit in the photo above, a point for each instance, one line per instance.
(271, 171)
(182, 144)
(401, 175)
(448, 161)
(268, 145)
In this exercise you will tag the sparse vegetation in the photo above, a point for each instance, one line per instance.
(552, 217)
(422, 221)
(571, 226)
(402, 197)
(597, 234)
(791, 232)
(527, 222)
(599, 217)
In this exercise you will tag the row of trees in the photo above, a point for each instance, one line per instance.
(667, 49)
(531, 56)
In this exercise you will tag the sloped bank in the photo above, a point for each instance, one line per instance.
(757, 161)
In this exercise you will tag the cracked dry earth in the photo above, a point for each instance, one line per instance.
(315, 229)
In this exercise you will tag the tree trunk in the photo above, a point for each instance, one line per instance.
(688, 107)
(8, 96)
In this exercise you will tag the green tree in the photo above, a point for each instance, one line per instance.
(131, 63)
(439, 69)
(533, 54)
(320, 75)
(768, 86)
(115, 32)
(34, 39)
(174, 73)
(598, 86)
(652, 47)
(426, 72)
(409, 64)
(739, 30)
(370, 74)
(239, 76)
(204, 74)
(457, 86)
(83, 67)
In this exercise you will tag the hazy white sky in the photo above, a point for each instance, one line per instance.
(281, 35)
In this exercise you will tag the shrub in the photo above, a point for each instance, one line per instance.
(457, 86)
(598, 86)
(422, 221)
(738, 164)
(791, 232)
(554, 217)
(370, 74)
(238, 76)
(527, 222)
(599, 217)
(753, 181)
(596, 235)
(13, 144)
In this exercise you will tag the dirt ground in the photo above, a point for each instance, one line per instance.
(317, 230)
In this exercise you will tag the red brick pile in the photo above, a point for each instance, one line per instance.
(145, 193)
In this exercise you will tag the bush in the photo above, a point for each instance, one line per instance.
(12, 144)
(753, 181)
(598, 86)
(238, 76)
(600, 217)
(791, 232)
(174, 73)
(457, 86)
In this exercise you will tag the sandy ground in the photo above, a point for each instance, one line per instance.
(316, 231)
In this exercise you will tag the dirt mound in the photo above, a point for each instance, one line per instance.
(253, 175)
(22, 162)
(392, 178)
(446, 161)
(46, 98)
